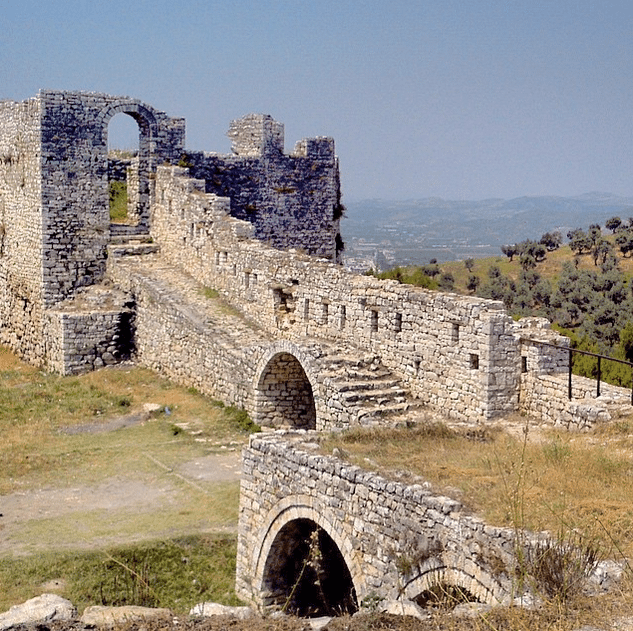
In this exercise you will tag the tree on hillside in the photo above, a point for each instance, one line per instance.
(469, 264)
(613, 224)
(510, 251)
(579, 241)
(473, 283)
(600, 250)
(551, 240)
(624, 241)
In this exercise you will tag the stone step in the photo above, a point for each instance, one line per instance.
(118, 239)
(379, 397)
(132, 248)
(383, 414)
(381, 383)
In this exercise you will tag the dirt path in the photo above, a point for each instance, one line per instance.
(198, 494)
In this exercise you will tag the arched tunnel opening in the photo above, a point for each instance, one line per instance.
(285, 395)
(305, 573)
(444, 597)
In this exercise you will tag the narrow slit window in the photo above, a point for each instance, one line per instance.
(455, 333)
(474, 361)
(398, 322)
(343, 316)
(324, 312)
(306, 309)
(374, 321)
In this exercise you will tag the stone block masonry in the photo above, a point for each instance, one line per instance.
(324, 348)
(380, 538)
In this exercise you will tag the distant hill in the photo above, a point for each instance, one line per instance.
(413, 231)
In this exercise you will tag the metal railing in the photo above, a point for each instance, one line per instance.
(571, 352)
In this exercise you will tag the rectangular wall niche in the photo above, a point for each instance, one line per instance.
(324, 312)
(343, 317)
(474, 361)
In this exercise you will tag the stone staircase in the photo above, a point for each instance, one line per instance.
(361, 390)
(363, 384)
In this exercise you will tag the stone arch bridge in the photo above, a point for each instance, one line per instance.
(377, 538)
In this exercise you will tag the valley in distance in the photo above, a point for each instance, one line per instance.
(380, 234)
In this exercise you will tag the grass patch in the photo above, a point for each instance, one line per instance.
(118, 202)
(176, 574)
(38, 409)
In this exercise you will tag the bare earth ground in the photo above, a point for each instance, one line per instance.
(114, 497)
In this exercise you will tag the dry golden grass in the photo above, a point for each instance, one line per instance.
(37, 410)
(561, 482)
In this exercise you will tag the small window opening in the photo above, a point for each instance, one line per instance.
(455, 333)
(416, 365)
(474, 361)
(343, 316)
(398, 322)
(324, 312)
(247, 279)
(374, 321)
(524, 366)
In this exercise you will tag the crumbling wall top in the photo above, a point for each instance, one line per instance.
(256, 135)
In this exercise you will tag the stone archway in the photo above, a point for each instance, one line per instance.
(284, 391)
(290, 532)
(138, 181)
(470, 583)
(305, 573)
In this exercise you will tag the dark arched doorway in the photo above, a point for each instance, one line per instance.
(284, 394)
(305, 573)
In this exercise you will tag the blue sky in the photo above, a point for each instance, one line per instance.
(463, 99)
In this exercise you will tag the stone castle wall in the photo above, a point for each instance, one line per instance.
(397, 540)
(21, 235)
(291, 200)
(75, 197)
(460, 354)
(269, 245)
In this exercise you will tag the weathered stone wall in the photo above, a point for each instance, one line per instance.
(397, 540)
(460, 354)
(75, 208)
(21, 252)
(293, 201)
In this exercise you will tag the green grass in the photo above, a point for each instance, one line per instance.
(57, 439)
(176, 574)
(118, 202)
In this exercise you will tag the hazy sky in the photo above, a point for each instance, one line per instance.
(462, 99)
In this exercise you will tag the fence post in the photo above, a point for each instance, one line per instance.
(569, 383)
(599, 375)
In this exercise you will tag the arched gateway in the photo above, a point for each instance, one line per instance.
(286, 389)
